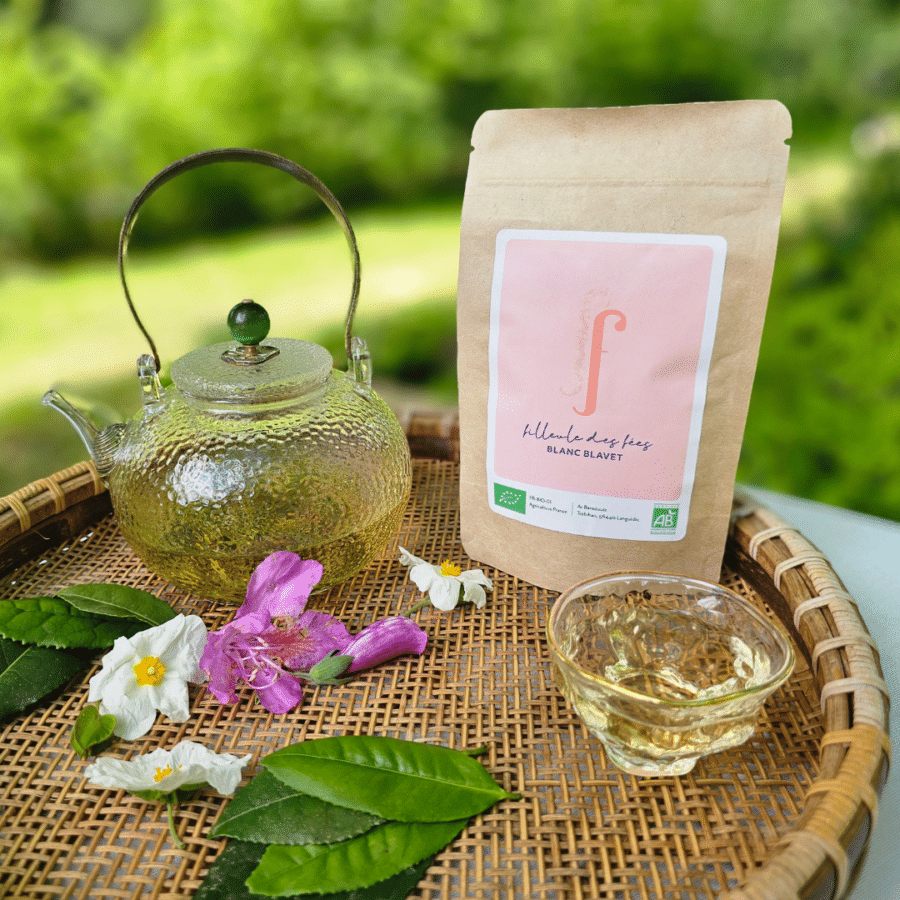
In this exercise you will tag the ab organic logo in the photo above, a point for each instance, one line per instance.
(665, 518)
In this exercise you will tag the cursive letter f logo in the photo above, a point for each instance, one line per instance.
(596, 349)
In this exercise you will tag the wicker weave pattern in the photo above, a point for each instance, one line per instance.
(763, 821)
(842, 805)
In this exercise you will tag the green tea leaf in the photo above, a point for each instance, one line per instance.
(394, 779)
(268, 811)
(29, 673)
(226, 877)
(91, 729)
(118, 601)
(51, 622)
(228, 874)
(357, 863)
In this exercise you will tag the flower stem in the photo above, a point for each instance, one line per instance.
(175, 839)
(417, 607)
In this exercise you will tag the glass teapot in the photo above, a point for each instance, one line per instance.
(256, 447)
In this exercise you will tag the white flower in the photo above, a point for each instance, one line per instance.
(149, 672)
(443, 582)
(165, 771)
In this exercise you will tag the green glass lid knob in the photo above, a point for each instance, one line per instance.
(248, 322)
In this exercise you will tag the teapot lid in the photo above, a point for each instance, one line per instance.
(283, 369)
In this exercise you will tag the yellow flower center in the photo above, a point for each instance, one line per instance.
(162, 773)
(450, 568)
(149, 671)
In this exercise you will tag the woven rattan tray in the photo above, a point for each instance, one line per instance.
(787, 815)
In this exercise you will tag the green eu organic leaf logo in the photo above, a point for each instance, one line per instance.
(665, 518)
(510, 498)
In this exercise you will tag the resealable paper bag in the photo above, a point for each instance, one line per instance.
(615, 266)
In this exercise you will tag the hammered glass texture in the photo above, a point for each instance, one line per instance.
(663, 670)
(204, 492)
(299, 368)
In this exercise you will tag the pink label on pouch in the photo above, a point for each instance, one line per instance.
(600, 348)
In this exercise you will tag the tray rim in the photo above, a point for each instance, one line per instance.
(820, 858)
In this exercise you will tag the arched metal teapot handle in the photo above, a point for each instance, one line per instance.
(239, 154)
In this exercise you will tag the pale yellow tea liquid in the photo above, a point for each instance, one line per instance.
(226, 576)
(675, 670)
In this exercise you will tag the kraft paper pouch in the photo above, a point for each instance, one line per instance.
(615, 266)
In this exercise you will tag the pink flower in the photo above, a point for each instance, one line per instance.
(383, 640)
(273, 641)
(271, 635)
(281, 584)
(253, 650)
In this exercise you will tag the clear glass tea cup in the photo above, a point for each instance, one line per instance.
(664, 669)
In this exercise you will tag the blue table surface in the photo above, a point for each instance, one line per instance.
(865, 553)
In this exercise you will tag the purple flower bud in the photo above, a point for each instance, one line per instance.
(383, 640)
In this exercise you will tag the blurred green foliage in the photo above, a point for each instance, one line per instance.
(416, 345)
(377, 98)
(824, 419)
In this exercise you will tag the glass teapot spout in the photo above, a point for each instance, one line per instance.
(102, 445)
